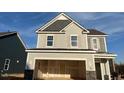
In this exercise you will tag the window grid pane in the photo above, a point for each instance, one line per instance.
(49, 43)
(50, 38)
(74, 43)
(74, 38)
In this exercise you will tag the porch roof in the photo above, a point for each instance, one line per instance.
(104, 55)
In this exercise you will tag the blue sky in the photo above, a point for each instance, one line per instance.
(26, 23)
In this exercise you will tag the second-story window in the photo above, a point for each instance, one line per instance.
(95, 43)
(74, 41)
(49, 40)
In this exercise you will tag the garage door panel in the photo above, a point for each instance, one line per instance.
(61, 69)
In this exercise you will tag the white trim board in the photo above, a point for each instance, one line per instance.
(43, 58)
(97, 35)
(59, 51)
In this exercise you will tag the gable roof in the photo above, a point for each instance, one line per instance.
(5, 34)
(66, 19)
(95, 32)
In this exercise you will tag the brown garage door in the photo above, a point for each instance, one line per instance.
(56, 69)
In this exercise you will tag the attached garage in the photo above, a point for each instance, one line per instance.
(59, 69)
(58, 64)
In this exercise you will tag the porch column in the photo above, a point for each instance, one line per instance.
(105, 70)
(108, 69)
(113, 64)
(29, 68)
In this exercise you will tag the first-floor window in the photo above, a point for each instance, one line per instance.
(6, 64)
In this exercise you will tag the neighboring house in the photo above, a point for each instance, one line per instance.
(12, 54)
(66, 50)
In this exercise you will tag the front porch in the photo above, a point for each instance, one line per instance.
(104, 65)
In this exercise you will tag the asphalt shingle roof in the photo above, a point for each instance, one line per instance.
(95, 32)
(58, 25)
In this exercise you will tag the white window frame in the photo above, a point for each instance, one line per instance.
(52, 41)
(92, 43)
(71, 41)
(6, 64)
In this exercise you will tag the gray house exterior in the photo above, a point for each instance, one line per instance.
(12, 53)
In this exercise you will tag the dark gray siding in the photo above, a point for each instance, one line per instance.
(101, 43)
(12, 48)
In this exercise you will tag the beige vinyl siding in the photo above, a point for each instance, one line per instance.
(101, 43)
(61, 56)
(89, 43)
(63, 40)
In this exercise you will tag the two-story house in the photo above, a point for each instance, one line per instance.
(66, 50)
(12, 54)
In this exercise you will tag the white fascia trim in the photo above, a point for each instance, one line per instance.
(46, 58)
(60, 51)
(21, 41)
(42, 32)
(97, 35)
(105, 55)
